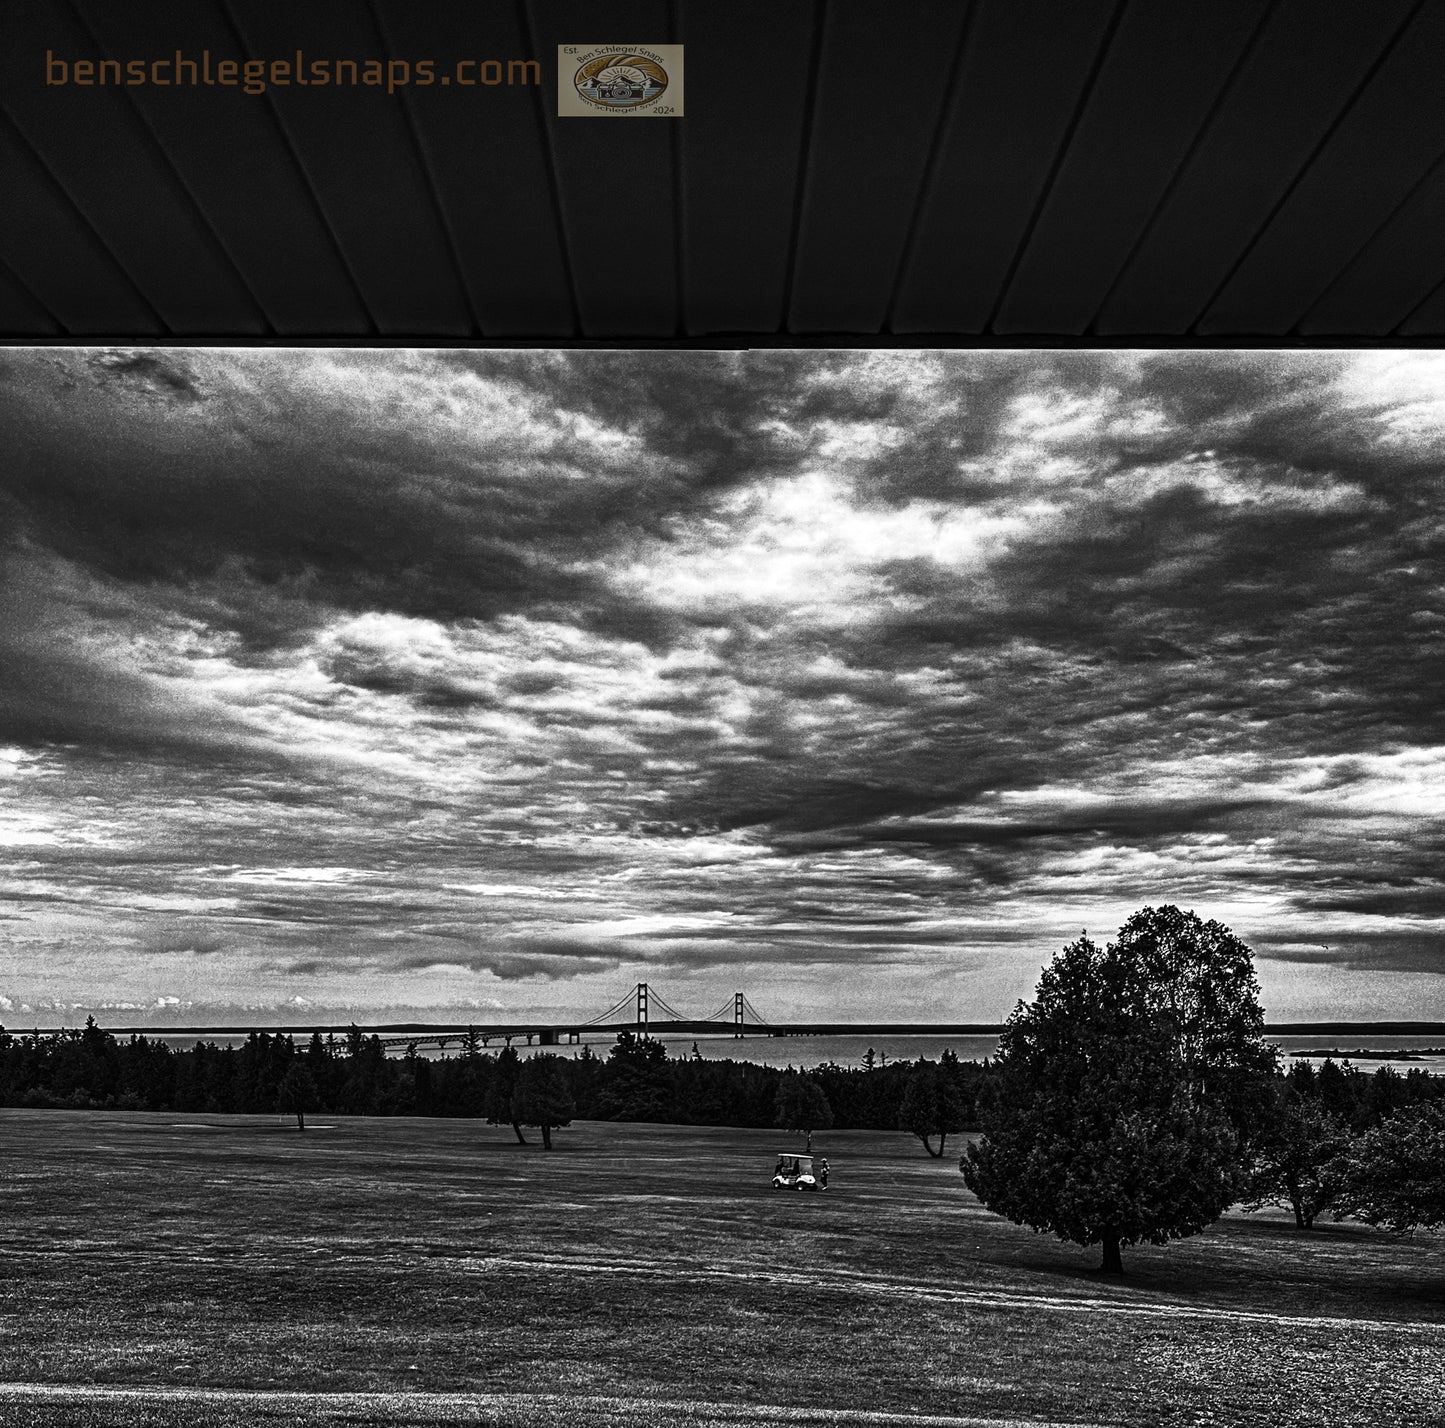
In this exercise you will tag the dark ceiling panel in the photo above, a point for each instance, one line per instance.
(880, 95)
(58, 256)
(741, 149)
(486, 150)
(616, 180)
(20, 314)
(94, 142)
(1024, 68)
(1394, 274)
(1384, 145)
(1428, 320)
(1307, 64)
(1159, 81)
(362, 162)
(258, 208)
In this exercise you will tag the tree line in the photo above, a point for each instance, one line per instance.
(91, 1069)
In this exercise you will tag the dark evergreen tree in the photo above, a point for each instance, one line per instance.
(1336, 1089)
(542, 1097)
(502, 1092)
(802, 1106)
(297, 1092)
(1385, 1094)
(637, 1084)
(421, 1080)
(584, 1075)
(931, 1106)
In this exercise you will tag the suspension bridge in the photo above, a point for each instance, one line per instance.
(643, 1011)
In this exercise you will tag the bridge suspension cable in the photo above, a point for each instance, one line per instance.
(670, 1013)
(613, 1012)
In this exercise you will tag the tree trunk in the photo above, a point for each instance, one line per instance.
(1299, 1216)
(942, 1141)
(546, 1137)
(521, 1139)
(301, 1120)
(1113, 1262)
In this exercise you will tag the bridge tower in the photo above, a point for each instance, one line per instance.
(737, 1016)
(642, 1008)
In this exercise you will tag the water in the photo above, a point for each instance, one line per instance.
(804, 1052)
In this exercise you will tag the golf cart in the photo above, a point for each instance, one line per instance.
(801, 1172)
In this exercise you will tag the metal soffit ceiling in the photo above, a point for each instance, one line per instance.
(1096, 170)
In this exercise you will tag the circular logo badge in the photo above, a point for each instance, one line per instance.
(621, 81)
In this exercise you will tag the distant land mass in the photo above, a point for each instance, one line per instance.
(1355, 1028)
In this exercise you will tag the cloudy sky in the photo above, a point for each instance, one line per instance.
(857, 681)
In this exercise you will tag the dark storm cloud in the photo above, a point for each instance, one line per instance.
(268, 497)
(199, 939)
(829, 805)
(1402, 901)
(1365, 950)
(164, 375)
(252, 529)
(841, 943)
(57, 689)
(1139, 822)
(550, 958)
(821, 955)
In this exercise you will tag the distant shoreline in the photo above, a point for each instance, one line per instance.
(1299, 1028)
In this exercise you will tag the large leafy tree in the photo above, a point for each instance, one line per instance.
(1394, 1174)
(1296, 1161)
(1124, 1095)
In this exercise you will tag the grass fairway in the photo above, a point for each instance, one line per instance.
(180, 1269)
